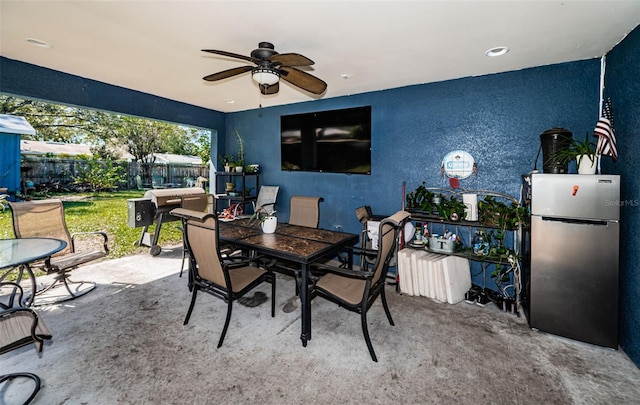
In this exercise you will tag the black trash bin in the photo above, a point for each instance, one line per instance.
(552, 141)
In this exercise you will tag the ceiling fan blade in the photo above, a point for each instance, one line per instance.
(303, 80)
(266, 89)
(291, 59)
(232, 55)
(227, 73)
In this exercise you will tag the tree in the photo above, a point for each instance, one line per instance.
(144, 138)
(108, 133)
(203, 144)
(52, 122)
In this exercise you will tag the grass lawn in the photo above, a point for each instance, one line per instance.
(106, 212)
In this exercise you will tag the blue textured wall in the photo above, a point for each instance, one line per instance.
(496, 118)
(623, 86)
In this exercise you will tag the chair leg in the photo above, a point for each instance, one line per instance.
(35, 378)
(182, 262)
(365, 330)
(386, 307)
(185, 252)
(193, 302)
(273, 295)
(226, 322)
(63, 278)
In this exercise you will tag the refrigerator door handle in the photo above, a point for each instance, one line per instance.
(577, 221)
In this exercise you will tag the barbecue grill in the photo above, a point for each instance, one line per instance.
(154, 207)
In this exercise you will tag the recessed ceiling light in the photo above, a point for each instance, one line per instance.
(497, 51)
(38, 42)
(229, 101)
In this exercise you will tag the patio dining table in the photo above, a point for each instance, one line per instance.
(297, 244)
(16, 255)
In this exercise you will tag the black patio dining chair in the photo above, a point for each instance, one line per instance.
(19, 326)
(228, 278)
(357, 290)
(305, 211)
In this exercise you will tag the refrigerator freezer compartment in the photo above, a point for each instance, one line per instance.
(576, 196)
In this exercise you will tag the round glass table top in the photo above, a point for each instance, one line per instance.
(14, 252)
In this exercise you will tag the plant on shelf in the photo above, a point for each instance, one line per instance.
(451, 209)
(420, 199)
(506, 261)
(226, 160)
(501, 215)
(239, 161)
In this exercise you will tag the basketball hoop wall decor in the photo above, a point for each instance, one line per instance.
(458, 165)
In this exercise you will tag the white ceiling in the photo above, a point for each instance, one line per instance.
(155, 46)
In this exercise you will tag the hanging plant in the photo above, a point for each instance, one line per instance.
(420, 199)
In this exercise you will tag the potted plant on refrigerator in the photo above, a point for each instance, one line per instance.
(584, 153)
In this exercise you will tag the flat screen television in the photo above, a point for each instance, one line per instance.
(336, 141)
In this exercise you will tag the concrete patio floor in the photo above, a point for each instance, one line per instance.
(125, 343)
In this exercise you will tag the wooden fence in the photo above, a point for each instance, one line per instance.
(61, 173)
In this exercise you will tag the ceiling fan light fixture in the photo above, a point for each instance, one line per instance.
(265, 76)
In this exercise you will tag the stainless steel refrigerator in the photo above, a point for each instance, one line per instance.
(573, 272)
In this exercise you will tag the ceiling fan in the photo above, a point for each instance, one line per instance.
(270, 67)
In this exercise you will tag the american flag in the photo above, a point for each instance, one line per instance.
(606, 133)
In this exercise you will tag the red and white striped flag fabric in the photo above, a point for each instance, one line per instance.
(606, 133)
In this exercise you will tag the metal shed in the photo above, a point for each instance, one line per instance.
(11, 127)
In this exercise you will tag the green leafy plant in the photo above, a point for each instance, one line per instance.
(239, 160)
(576, 150)
(100, 176)
(501, 215)
(420, 199)
(451, 208)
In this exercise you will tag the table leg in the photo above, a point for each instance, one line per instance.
(350, 259)
(305, 305)
(22, 275)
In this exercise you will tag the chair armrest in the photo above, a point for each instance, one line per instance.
(343, 272)
(237, 261)
(264, 205)
(186, 214)
(15, 337)
(98, 233)
(355, 250)
(12, 296)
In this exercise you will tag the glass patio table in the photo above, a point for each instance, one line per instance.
(16, 256)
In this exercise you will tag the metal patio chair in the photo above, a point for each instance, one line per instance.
(20, 326)
(266, 200)
(226, 278)
(45, 219)
(199, 203)
(305, 211)
(357, 290)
